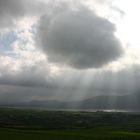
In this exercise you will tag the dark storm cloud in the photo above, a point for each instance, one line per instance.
(78, 87)
(86, 85)
(11, 10)
(78, 38)
(14, 94)
(69, 35)
(35, 75)
(24, 79)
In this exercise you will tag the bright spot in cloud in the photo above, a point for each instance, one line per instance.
(129, 26)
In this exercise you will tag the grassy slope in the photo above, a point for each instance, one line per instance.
(7, 134)
(68, 125)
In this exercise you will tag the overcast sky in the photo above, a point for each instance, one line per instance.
(68, 50)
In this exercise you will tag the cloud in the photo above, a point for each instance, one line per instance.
(24, 73)
(12, 10)
(24, 66)
(78, 37)
(70, 35)
(80, 85)
(30, 76)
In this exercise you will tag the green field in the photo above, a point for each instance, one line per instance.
(28, 124)
(7, 134)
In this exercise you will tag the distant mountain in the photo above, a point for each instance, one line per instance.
(112, 102)
(50, 104)
(129, 102)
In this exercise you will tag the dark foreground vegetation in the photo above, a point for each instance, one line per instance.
(19, 124)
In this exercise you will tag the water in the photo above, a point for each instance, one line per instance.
(81, 110)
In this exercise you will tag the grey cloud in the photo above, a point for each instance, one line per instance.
(14, 94)
(12, 10)
(80, 86)
(78, 38)
(83, 85)
(36, 75)
(73, 36)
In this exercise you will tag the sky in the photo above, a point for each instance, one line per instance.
(68, 50)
